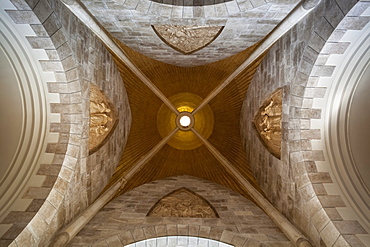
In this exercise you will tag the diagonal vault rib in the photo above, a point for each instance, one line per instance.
(292, 19)
(64, 236)
(290, 231)
(85, 17)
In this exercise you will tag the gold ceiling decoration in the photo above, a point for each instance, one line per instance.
(183, 203)
(187, 39)
(103, 119)
(224, 135)
(203, 121)
(267, 122)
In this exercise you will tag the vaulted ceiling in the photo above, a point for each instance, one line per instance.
(245, 22)
(195, 83)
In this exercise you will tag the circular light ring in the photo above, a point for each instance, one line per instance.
(185, 121)
(202, 121)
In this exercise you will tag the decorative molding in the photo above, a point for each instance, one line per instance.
(183, 203)
(187, 39)
(267, 122)
(103, 119)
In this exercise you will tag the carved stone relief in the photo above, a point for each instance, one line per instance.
(183, 203)
(103, 119)
(267, 122)
(187, 39)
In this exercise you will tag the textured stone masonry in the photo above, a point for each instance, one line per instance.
(72, 179)
(246, 22)
(298, 189)
(124, 219)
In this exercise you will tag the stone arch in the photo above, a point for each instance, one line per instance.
(70, 177)
(329, 217)
(197, 204)
(224, 238)
(240, 220)
(296, 185)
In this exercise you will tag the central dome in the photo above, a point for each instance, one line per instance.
(202, 121)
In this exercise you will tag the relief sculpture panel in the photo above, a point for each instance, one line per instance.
(267, 122)
(183, 203)
(103, 119)
(187, 39)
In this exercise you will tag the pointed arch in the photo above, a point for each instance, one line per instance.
(183, 203)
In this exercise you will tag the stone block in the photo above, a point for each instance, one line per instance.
(68, 63)
(358, 9)
(239, 240)
(333, 13)
(316, 42)
(329, 234)
(126, 238)
(59, 39)
(40, 42)
(38, 226)
(312, 134)
(23, 17)
(307, 192)
(335, 48)
(320, 177)
(51, 66)
(182, 230)
(227, 236)
(171, 230)
(194, 230)
(312, 206)
(331, 201)
(315, 92)
(52, 24)
(47, 169)
(36, 193)
(333, 214)
(55, 198)
(42, 10)
(354, 23)
(18, 217)
(149, 232)
(66, 174)
(323, 71)
(22, 4)
(66, 108)
(47, 212)
(346, 5)
(61, 185)
(49, 181)
(341, 242)
(319, 189)
(320, 219)
(347, 227)
(353, 240)
(13, 232)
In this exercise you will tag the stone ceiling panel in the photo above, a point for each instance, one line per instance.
(245, 24)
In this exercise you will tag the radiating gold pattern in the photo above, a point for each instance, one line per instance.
(203, 123)
(183, 203)
(169, 161)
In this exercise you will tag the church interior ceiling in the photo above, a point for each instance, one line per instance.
(186, 84)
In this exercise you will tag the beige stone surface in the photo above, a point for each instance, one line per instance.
(128, 213)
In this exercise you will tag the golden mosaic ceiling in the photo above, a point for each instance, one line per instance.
(185, 153)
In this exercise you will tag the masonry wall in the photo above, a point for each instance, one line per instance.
(123, 220)
(293, 184)
(74, 179)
